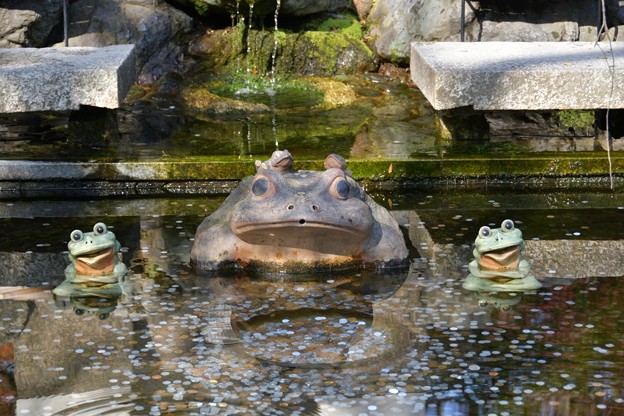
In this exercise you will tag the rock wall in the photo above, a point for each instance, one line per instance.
(394, 24)
(28, 23)
(159, 28)
(156, 29)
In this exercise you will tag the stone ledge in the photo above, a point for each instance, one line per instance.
(568, 259)
(519, 75)
(460, 166)
(24, 179)
(59, 79)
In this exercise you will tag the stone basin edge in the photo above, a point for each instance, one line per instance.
(219, 177)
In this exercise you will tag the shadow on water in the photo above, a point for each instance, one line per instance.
(355, 342)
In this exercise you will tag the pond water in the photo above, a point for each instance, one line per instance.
(354, 343)
(385, 119)
(413, 341)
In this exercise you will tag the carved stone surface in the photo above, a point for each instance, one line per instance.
(519, 75)
(57, 79)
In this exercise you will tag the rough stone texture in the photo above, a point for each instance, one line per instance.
(535, 21)
(65, 78)
(28, 23)
(576, 258)
(525, 32)
(363, 7)
(153, 27)
(27, 268)
(518, 76)
(287, 7)
(394, 24)
(318, 53)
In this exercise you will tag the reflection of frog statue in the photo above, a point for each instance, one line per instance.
(282, 219)
(498, 264)
(94, 256)
(98, 299)
(502, 301)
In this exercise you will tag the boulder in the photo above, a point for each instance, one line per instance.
(155, 28)
(28, 23)
(394, 24)
(200, 101)
(335, 47)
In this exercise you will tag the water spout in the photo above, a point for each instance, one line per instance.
(275, 41)
(249, 27)
(239, 24)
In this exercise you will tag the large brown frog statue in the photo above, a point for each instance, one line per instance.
(287, 220)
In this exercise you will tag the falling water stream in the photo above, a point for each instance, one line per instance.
(275, 44)
(249, 27)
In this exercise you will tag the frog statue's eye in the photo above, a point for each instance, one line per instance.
(76, 235)
(485, 231)
(340, 188)
(262, 187)
(507, 225)
(99, 228)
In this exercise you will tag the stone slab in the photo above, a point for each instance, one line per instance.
(568, 259)
(519, 75)
(58, 79)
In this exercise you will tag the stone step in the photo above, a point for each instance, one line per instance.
(21, 178)
(520, 75)
(59, 79)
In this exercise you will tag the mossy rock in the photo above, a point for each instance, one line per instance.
(313, 52)
(575, 118)
(199, 100)
(336, 93)
(346, 24)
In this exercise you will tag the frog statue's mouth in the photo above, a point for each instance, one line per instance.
(304, 233)
(96, 263)
(502, 259)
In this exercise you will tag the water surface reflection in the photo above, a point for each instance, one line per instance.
(376, 344)
(352, 343)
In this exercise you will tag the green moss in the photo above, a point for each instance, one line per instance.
(199, 99)
(334, 52)
(346, 24)
(314, 52)
(575, 118)
(200, 7)
(231, 83)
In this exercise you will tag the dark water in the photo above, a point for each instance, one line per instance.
(410, 342)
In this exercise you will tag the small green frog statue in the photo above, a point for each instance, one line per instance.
(498, 265)
(95, 256)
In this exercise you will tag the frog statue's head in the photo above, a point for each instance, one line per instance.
(499, 249)
(302, 220)
(94, 255)
(498, 264)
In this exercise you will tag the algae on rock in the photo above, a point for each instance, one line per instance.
(334, 48)
(200, 100)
